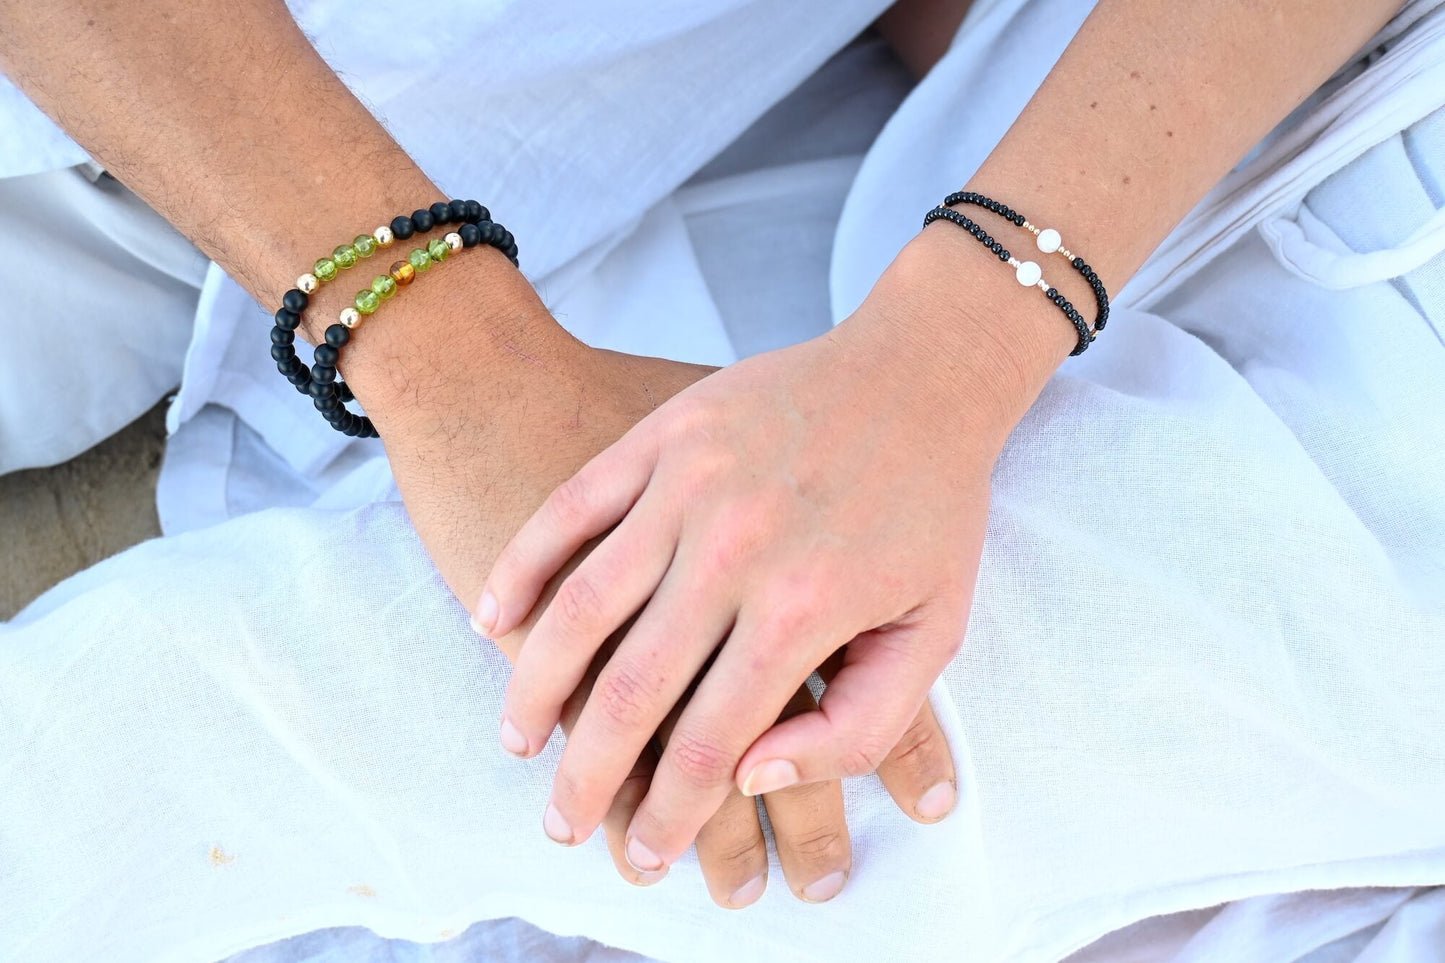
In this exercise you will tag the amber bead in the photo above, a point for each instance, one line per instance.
(403, 273)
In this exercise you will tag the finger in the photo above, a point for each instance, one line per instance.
(619, 816)
(639, 685)
(918, 772)
(606, 589)
(741, 696)
(733, 853)
(583, 507)
(862, 715)
(809, 828)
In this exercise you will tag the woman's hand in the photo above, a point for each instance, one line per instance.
(828, 497)
(476, 450)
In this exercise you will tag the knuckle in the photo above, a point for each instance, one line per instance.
(817, 845)
(701, 760)
(571, 503)
(920, 744)
(864, 756)
(578, 603)
(624, 695)
(744, 852)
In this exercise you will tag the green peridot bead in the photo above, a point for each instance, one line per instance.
(367, 301)
(344, 256)
(384, 285)
(438, 250)
(325, 269)
(419, 259)
(365, 245)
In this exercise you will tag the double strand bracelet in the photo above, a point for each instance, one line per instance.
(1029, 273)
(319, 381)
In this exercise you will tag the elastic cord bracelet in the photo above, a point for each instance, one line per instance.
(1029, 273)
(319, 381)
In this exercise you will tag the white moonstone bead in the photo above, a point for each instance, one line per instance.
(383, 236)
(350, 317)
(1029, 274)
(1049, 240)
(454, 241)
(306, 283)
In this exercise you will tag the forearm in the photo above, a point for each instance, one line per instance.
(1149, 107)
(227, 121)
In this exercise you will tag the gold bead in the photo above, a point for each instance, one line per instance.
(350, 317)
(383, 236)
(306, 283)
(402, 272)
(454, 241)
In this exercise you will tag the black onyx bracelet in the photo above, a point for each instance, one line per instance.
(320, 381)
(1029, 273)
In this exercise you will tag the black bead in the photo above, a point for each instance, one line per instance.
(511, 252)
(1051, 293)
(1078, 262)
(423, 220)
(280, 352)
(336, 414)
(289, 365)
(300, 383)
(282, 336)
(320, 389)
(323, 374)
(471, 211)
(1003, 256)
(471, 235)
(352, 427)
(343, 391)
(295, 300)
(440, 212)
(457, 211)
(403, 227)
(327, 355)
(324, 402)
(337, 335)
(1019, 219)
(287, 320)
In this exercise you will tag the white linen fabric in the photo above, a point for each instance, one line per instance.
(1205, 662)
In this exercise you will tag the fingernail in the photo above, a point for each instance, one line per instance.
(556, 827)
(642, 859)
(748, 893)
(486, 618)
(648, 877)
(937, 802)
(514, 742)
(770, 776)
(822, 890)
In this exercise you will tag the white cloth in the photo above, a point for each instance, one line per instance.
(1205, 662)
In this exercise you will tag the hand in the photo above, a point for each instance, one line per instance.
(828, 497)
(460, 437)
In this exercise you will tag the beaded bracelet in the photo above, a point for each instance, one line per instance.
(329, 395)
(1029, 273)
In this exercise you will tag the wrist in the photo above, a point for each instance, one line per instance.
(989, 344)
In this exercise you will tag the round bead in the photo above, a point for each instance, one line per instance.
(365, 245)
(402, 227)
(324, 374)
(1029, 273)
(349, 317)
(306, 283)
(469, 233)
(384, 236)
(287, 319)
(438, 249)
(384, 285)
(457, 211)
(1049, 240)
(403, 273)
(367, 301)
(344, 256)
(473, 212)
(281, 352)
(295, 301)
(441, 212)
(336, 335)
(325, 269)
(326, 355)
(453, 241)
(419, 260)
(282, 336)
(423, 220)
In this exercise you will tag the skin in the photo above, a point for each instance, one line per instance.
(169, 101)
(743, 544)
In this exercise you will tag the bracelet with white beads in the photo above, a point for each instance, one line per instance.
(1048, 241)
(1028, 273)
